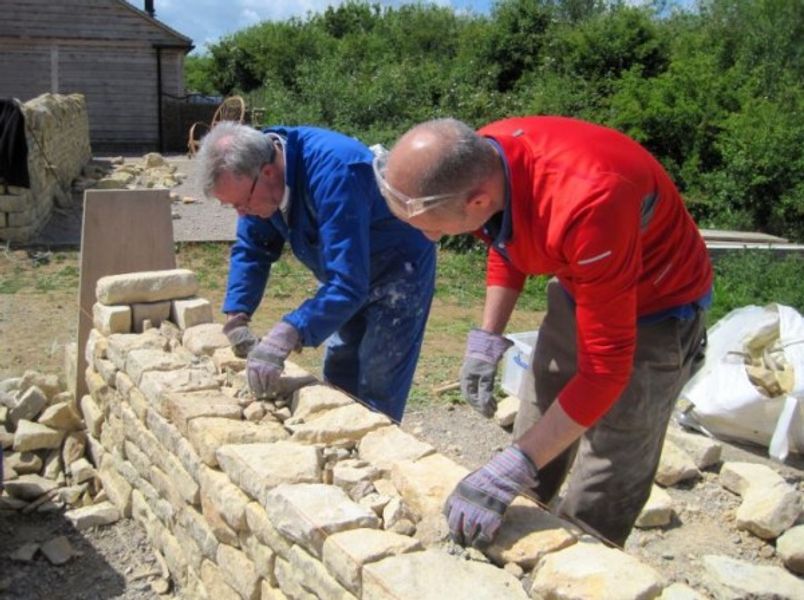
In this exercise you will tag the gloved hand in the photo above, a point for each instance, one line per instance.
(267, 360)
(240, 336)
(483, 351)
(475, 509)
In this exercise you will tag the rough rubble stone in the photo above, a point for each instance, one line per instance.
(156, 386)
(146, 286)
(313, 399)
(33, 436)
(60, 416)
(594, 572)
(95, 515)
(435, 575)
(790, 547)
(506, 412)
(264, 530)
(29, 487)
(119, 345)
(204, 339)
(183, 407)
(681, 591)
(387, 445)
(239, 572)
(347, 424)
(141, 361)
(732, 579)
(308, 512)
(426, 483)
(227, 498)
(769, 512)
(23, 462)
(316, 578)
(214, 583)
(257, 468)
(675, 465)
(738, 477)
(58, 550)
(658, 510)
(704, 451)
(28, 406)
(48, 383)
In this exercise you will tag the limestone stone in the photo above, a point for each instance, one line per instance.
(220, 529)
(239, 572)
(156, 386)
(260, 555)
(25, 553)
(506, 411)
(111, 319)
(3, 414)
(681, 591)
(314, 399)
(347, 424)
(174, 556)
(95, 515)
(190, 312)
(29, 487)
(225, 360)
(254, 412)
(118, 490)
(101, 392)
(28, 406)
(60, 416)
(33, 436)
(308, 512)
(204, 339)
(257, 468)
(58, 550)
(262, 528)
(74, 447)
(528, 533)
(92, 415)
(738, 477)
(790, 547)
(107, 370)
(23, 462)
(81, 471)
(733, 579)
(96, 346)
(155, 312)
(348, 473)
(6, 438)
(182, 481)
(593, 571)
(216, 586)
(188, 458)
(139, 403)
(165, 486)
(269, 592)
(163, 430)
(146, 286)
(387, 445)
(229, 501)
(767, 512)
(435, 575)
(53, 468)
(119, 345)
(290, 581)
(675, 465)
(183, 407)
(141, 361)
(207, 434)
(658, 510)
(199, 530)
(426, 483)
(703, 450)
(316, 578)
(345, 553)
(47, 383)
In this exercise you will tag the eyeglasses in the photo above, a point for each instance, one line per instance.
(242, 206)
(399, 203)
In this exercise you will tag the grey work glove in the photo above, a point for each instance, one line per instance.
(475, 509)
(483, 351)
(267, 360)
(239, 335)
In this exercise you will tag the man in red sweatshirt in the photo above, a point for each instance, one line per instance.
(624, 328)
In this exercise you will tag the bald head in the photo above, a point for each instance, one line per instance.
(442, 156)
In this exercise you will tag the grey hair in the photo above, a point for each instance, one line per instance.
(233, 148)
(466, 160)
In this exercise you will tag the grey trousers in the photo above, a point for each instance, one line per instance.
(615, 461)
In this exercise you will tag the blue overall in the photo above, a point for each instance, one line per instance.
(376, 273)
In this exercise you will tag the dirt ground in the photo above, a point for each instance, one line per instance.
(38, 316)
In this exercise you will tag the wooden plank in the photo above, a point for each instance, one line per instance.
(122, 232)
(720, 235)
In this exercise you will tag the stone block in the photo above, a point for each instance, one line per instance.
(216, 586)
(111, 319)
(594, 572)
(142, 361)
(703, 450)
(675, 465)
(388, 445)
(344, 425)
(92, 415)
(120, 344)
(313, 399)
(790, 547)
(229, 501)
(118, 490)
(527, 534)
(260, 554)
(204, 339)
(207, 434)
(308, 512)
(33, 436)
(94, 515)
(28, 406)
(658, 510)
(239, 572)
(190, 312)
(738, 477)
(316, 578)
(265, 531)
(290, 581)
(223, 533)
(767, 512)
(345, 553)
(199, 530)
(146, 286)
(183, 407)
(29, 487)
(426, 483)
(258, 468)
(60, 416)
(731, 578)
(225, 360)
(435, 575)
(506, 411)
(163, 430)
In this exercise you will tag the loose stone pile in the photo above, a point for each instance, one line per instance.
(153, 171)
(57, 136)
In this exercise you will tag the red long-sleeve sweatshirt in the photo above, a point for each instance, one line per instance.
(594, 208)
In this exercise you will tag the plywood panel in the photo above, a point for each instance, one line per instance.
(122, 232)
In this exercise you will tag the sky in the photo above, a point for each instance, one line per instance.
(205, 21)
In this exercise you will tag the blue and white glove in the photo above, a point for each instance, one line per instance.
(267, 360)
(475, 508)
(240, 337)
(483, 351)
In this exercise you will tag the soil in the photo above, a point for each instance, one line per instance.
(38, 316)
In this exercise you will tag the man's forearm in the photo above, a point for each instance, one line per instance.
(500, 303)
(553, 433)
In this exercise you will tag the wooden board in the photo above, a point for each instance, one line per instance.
(123, 231)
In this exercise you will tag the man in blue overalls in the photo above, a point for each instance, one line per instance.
(316, 190)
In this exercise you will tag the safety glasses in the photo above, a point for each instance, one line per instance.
(399, 203)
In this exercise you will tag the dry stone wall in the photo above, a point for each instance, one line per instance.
(57, 135)
(307, 495)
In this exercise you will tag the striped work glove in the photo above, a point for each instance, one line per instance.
(483, 351)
